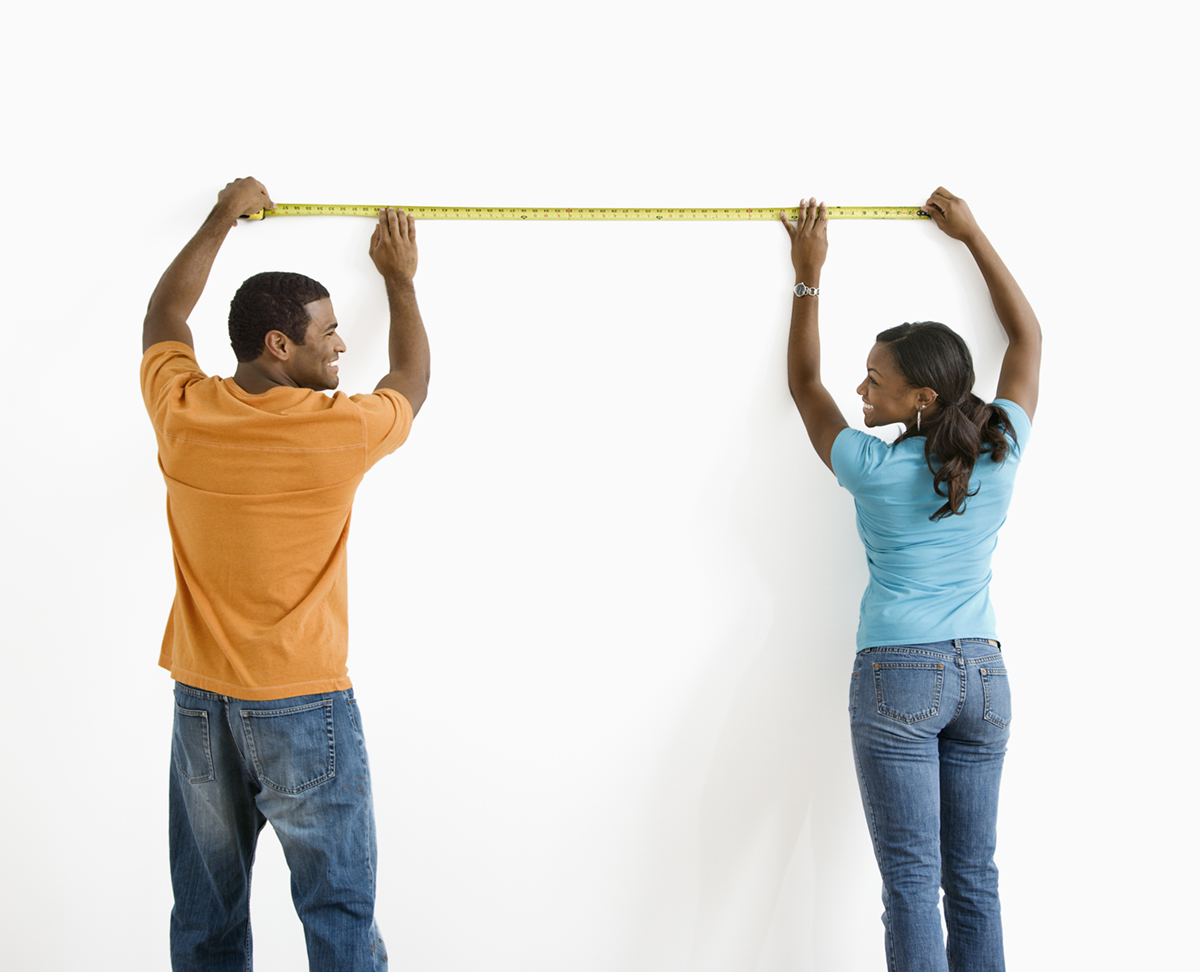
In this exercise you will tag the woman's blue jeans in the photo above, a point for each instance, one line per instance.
(929, 724)
(300, 763)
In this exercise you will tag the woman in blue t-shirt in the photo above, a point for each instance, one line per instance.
(929, 698)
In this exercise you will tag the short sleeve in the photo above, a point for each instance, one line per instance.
(167, 366)
(388, 417)
(1019, 425)
(855, 455)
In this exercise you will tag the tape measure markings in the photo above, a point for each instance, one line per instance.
(593, 214)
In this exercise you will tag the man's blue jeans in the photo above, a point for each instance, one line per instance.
(929, 725)
(300, 763)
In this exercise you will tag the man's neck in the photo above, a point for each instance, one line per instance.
(254, 380)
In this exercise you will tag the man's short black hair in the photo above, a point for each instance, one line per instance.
(270, 302)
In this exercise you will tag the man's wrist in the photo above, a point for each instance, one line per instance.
(398, 283)
(223, 215)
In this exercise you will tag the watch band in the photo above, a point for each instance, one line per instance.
(803, 290)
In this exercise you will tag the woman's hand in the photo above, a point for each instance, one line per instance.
(952, 215)
(809, 241)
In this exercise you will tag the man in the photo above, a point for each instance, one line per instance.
(261, 471)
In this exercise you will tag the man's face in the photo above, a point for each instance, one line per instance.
(314, 363)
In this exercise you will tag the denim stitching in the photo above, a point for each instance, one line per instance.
(960, 664)
(941, 656)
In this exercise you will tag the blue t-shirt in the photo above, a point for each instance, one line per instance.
(929, 580)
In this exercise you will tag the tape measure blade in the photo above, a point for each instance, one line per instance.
(567, 213)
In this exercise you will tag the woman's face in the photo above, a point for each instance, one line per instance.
(887, 396)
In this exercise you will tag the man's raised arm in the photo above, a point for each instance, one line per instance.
(394, 252)
(181, 286)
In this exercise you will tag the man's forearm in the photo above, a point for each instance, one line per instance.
(408, 344)
(181, 285)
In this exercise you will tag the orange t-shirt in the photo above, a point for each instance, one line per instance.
(259, 489)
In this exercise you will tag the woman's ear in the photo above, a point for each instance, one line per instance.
(925, 397)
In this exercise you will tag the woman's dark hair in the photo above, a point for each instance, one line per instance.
(930, 355)
(270, 302)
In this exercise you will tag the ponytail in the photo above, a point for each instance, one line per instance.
(930, 355)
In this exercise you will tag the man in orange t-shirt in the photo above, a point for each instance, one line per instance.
(261, 471)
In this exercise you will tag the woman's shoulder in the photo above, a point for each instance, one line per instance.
(858, 456)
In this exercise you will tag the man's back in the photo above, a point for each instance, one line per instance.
(259, 492)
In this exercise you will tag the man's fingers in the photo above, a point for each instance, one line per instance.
(941, 200)
(412, 229)
(266, 195)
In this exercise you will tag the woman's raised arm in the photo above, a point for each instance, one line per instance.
(1023, 360)
(822, 418)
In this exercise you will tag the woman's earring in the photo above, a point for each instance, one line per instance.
(919, 419)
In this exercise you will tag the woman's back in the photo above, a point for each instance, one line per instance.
(929, 579)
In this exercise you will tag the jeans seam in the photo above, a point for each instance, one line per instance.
(923, 652)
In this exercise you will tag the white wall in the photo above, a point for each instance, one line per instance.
(604, 600)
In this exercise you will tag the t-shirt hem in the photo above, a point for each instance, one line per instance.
(259, 693)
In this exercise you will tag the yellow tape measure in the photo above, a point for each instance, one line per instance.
(565, 213)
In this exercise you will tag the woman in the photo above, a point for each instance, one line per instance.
(929, 699)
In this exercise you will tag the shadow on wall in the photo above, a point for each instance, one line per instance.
(780, 764)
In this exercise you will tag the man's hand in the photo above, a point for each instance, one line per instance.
(952, 215)
(809, 240)
(180, 287)
(242, 197)
(394, 245)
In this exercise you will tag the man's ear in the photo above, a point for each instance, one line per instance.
(277, 345)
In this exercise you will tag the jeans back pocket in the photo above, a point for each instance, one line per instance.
(908, 691)
(190, 745)
(997, 697)
(292, 749)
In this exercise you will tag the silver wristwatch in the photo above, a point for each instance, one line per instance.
(803, 290)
